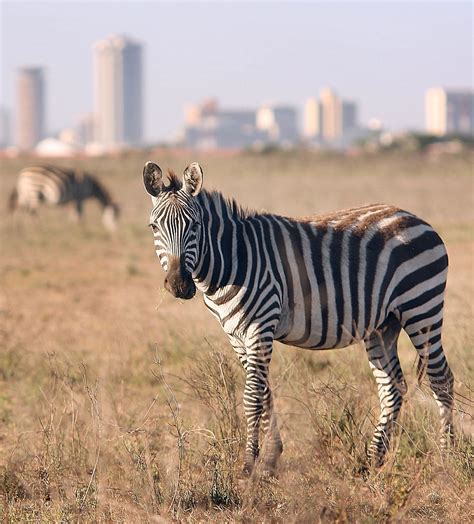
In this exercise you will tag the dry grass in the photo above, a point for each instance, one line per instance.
(119, 403)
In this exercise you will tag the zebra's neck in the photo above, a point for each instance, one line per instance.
(222, 249)
(101, 194)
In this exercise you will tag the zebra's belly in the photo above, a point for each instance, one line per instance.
(317, 343)
(318, 332)
(302, 326)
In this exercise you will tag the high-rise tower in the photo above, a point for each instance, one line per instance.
(118, 91)
(312, 119)
(30, 112)
(331, 108)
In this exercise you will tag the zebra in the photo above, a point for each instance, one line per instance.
(321, 282)
(58, 186)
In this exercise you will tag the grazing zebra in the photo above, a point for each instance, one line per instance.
(59, 186)
(320, 282)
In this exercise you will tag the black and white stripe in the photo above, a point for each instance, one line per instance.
(322, 282)
(57, 186)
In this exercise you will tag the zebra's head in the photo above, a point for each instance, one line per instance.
(176, 221)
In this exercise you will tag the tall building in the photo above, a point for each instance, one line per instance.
(312, 119)
(331, 109)
(449, 111)
(30, 110)
(118, 91)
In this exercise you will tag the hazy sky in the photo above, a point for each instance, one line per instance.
(383, 55)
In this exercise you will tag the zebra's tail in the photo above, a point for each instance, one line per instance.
(13, 200)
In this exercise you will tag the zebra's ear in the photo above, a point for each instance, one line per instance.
(153, 179)
(192, 179)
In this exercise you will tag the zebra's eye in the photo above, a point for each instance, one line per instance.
(155, 229)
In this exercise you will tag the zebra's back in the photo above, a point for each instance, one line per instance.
(343, 274)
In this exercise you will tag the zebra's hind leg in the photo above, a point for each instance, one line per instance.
(426, 337)
(381, 348)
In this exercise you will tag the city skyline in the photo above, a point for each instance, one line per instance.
(328, 120)
(188, 66)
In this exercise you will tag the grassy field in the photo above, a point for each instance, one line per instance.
(119, 403)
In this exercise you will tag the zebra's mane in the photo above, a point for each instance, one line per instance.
(174, 183)
(235, 210)
(102, 193)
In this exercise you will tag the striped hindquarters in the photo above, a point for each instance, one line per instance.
(47, 184)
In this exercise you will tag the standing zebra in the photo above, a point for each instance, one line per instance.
(317, 283)
(58, 186)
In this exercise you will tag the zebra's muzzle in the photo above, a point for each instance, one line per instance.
(183, 289)
(178, 281)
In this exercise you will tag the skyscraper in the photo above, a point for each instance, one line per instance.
(118, 91)
(312, 121)
(449, 111)
(331, 108)
(29, 107)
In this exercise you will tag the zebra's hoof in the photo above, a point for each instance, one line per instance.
(248, 469)
(269, 471)
(375, 460)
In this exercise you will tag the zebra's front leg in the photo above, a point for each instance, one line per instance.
(273, 442)
(258, 405)
(253, 406)
(76, 211)
(250, 398)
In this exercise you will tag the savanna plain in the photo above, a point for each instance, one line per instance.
(119, 403)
